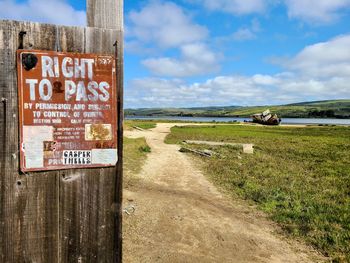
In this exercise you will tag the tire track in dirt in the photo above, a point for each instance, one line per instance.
(181, 217)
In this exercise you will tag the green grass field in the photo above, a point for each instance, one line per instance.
(135, 154)
(129, 124)
(150, 124)
(298, 176)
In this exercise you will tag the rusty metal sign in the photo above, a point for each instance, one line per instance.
(67, 110)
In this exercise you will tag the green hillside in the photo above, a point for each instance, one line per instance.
(201, 111)
(314, 109)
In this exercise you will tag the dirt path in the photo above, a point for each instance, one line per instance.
(181, 217)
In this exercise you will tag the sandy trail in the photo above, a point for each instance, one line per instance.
(181, 217)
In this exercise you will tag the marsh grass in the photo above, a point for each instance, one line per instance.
(150, 124)
(298, 176)
(143, 124)
(135, 154)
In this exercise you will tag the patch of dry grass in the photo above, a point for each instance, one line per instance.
(135, 154)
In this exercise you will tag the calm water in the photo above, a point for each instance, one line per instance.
(231, 119)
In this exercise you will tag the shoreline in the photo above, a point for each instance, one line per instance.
(285, 121)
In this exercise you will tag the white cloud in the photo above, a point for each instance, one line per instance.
(318, 72)
(243, 34)
(233, 90)
(160, 26)
(197, 59)
(316, 11)
(173, 93)
(255, 25)
(46, 11)
(323, 60)
(236, 7)
(135, 47)
(332, 88)
(312, 11)
(164, 24)
(267, 80)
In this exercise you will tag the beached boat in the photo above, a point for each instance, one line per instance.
(266, 118)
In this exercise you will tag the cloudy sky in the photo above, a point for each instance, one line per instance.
(221, 52)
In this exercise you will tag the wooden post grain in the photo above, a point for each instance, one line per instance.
(57, 216)
(105, 14)
(109, 14)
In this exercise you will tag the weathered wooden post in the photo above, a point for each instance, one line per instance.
(59, 215)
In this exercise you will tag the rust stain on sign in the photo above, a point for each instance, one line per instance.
(67, 106)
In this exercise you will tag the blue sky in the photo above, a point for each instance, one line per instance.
(223, 52)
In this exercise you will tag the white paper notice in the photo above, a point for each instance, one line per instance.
(105, 156)
(33, 142)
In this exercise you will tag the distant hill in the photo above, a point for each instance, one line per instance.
(313, 109)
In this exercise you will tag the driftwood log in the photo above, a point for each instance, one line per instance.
(205, 153)
(247, 148)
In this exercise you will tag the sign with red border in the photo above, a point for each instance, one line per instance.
(67, 110)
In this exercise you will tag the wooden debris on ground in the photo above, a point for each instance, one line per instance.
(247, 147)
(138, 128)
(205, 153)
